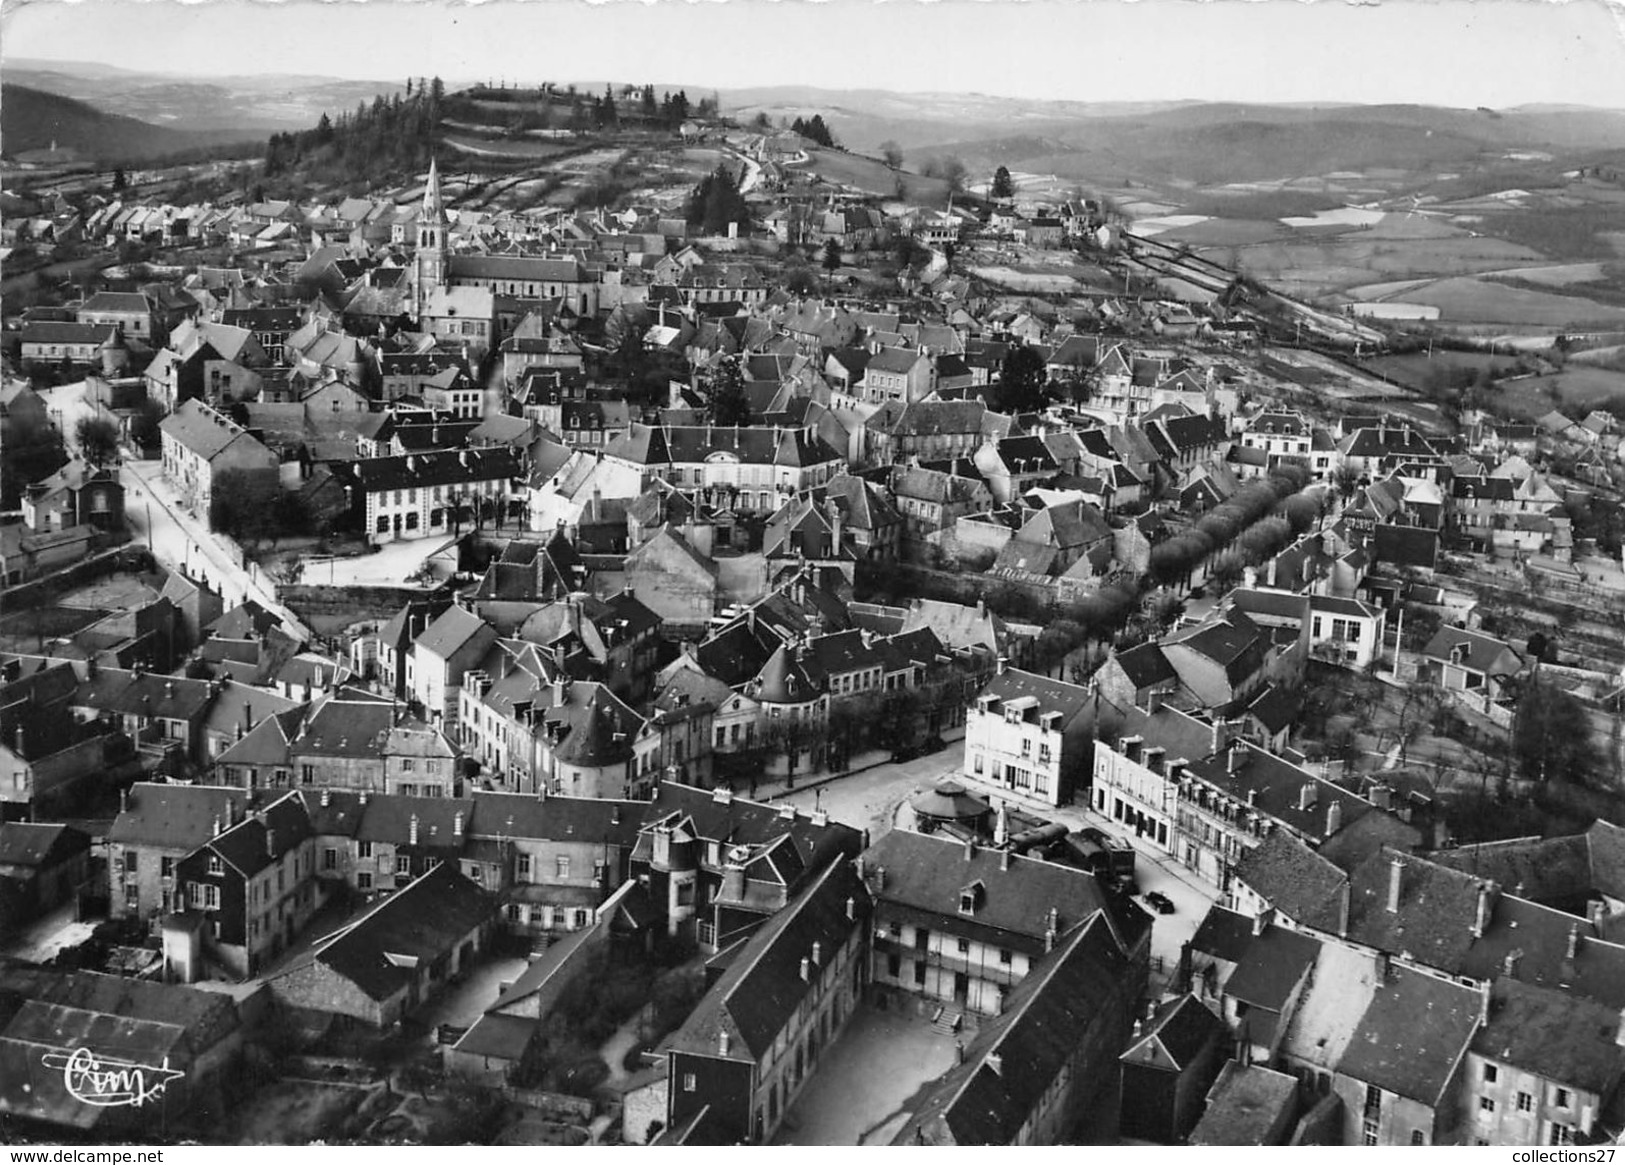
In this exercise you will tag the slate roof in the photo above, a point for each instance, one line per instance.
(1145, 666)
(1017, 1056)
(1484, 651)
(1271, 968)
(1553, 1034)
(1293, 878)
(1274, 787)
(1413, 1035)
(179, 817)
(762, 988)
(265, 836)
(924, 876)
(38, 846)
(1223, 935)
(1176, 1035)
(1070, 700)
(554, 818)
(1245, 1105)
(425, 921)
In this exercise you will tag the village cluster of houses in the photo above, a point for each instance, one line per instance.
(563, 746)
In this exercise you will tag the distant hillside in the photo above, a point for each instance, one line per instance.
(261, 104)
(32, 120)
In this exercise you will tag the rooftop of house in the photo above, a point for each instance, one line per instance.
(1176, 1035)
(1247, 1105)
(421, 923)
(1295, 880)
(764, 985)
(1021, 903)
(1552, 1034)
(1017, 1056)
(1413, 1034)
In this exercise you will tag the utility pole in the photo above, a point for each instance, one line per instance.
(1399, 635)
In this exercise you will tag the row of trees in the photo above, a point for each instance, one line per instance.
(1174, 560)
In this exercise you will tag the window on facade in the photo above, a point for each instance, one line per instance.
(363, 849)
(216, 866)
(363, 880)
(1561, 1098)
(1562, 1134)
(1004, 958)
(330, 859)
(403, 864)
(963, 946)
(1486, 1104)
(561, 866)
(689, 1082)
(307, 774)
(1526, 1103)
(406, 765)
(1489, 1074)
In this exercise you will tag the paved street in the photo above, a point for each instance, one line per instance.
(870, 800)
(177, 538)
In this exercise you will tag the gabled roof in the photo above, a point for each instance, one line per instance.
(925, 874)
(380, 952)
(38, 846)
(1176, 1035)
(1554, 1035)
(1413, 1035)
(762, 988)
(1018, 1056)
(178, 817)
(1295, 880)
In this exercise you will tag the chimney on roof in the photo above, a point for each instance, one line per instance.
(1236, 758)
(1004, 860)
(1487, 892)
(124, 801)
(1334, 817)
(363, 798)
(806, 970)
(1596, 911)
(818, 953)
(1574, 943)
(1000, 667)
(1396, 873)
(851, 908)
(970, 848)
(1510, 965)
(1221, 735)
(1483, 1002)
(169, 689)
(880, 878)
(787, 812)
(412, 830)
(1308, 795)
(270, 843)
(724, 1041)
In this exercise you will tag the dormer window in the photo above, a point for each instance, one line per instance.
(971, 898)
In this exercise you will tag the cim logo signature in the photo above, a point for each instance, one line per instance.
(109, 1082)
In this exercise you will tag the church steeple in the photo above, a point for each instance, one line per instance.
(429, 269)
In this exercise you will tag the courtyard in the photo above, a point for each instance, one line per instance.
(861, 1092)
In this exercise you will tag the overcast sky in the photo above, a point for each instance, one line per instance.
(1448, 52)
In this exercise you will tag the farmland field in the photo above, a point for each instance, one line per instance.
(1225, 232)
(1416, 368)
(1487, 302)
(527, 148)
(872, 176)
(1585, 387)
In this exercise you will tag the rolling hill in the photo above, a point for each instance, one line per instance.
(32, 120)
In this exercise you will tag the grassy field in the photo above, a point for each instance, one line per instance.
(518, 148)
(1415, 369)
(873, 177)
(1484, 301)
(1586, 387)
(1226, 232)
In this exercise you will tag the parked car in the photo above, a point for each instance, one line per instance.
(1161, 901)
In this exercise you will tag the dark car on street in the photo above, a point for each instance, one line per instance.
(1161, 901)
